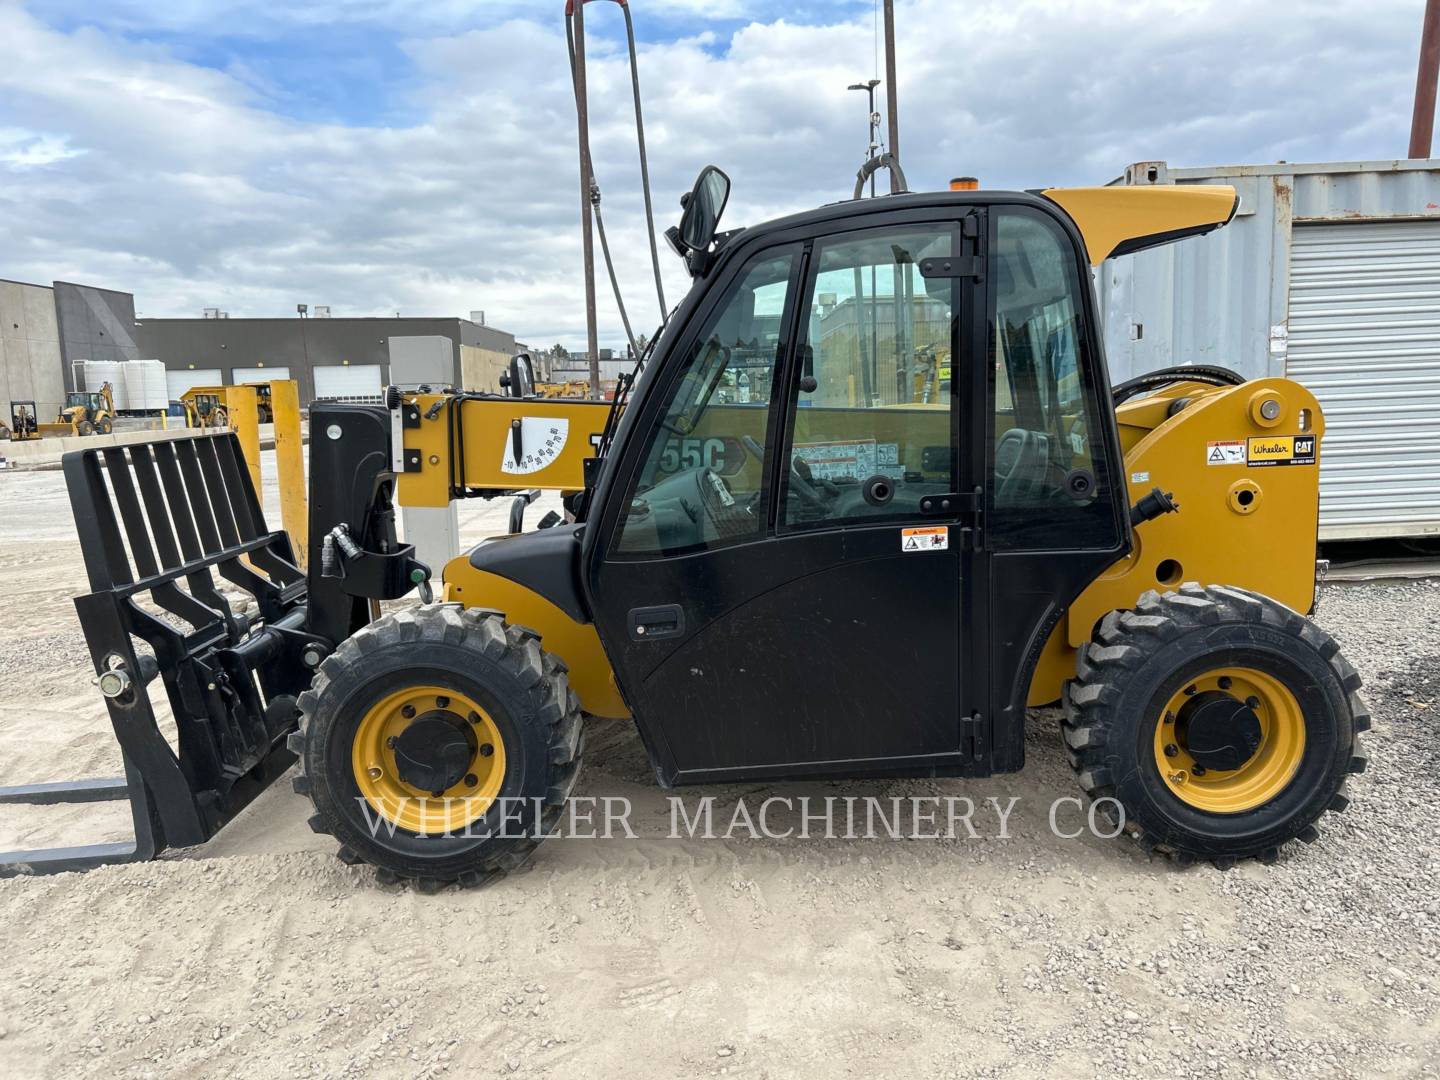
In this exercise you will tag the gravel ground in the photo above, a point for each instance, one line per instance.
(260, 955)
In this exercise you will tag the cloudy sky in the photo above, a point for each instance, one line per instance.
(419, 155)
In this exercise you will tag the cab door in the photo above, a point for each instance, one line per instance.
(785, 563)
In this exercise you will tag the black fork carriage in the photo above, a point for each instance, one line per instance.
(156, 523)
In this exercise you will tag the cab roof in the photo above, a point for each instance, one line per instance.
(1111, 220)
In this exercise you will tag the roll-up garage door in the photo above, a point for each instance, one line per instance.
(351, 382)
(1365, 338)
(177, 382)
(243, 375)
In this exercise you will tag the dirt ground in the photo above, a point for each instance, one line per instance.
(261, 955)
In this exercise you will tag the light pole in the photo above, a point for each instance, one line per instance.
(869, 367)
(874, 121)
(303, 310)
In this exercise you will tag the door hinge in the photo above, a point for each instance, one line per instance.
(952, 502)
(967, 509)
(952, 266)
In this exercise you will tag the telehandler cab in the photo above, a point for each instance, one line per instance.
(844, 564)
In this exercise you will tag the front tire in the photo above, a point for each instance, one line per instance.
(439, 745)
(1220, 722)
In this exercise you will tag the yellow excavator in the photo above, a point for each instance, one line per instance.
(866, 565)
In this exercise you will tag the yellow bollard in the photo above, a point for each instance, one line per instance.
(290, 464)
(243, 409)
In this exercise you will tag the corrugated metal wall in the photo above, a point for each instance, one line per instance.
(1208, 300)
(1226, 299)
(1365, 338)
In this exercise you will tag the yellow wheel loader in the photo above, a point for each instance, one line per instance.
(205, 407)
(929, 509)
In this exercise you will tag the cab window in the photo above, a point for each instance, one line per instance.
(869, 431)
(701, 484)
(1049, 469)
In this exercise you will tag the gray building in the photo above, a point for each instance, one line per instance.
(328, 357)
(94, 324)
(1329, 275)
(30, 364)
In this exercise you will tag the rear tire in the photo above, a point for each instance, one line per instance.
(106, 426)
(512, 690)
(1124, 718)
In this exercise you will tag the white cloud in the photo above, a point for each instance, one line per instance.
(22, 149)
(146, 173)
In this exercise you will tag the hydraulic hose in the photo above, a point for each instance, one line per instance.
(1154, 380)
(610, 266)
(644, 157)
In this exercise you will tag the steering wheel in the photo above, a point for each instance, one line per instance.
(802, 481)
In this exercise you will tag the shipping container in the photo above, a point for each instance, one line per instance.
(1330, 275)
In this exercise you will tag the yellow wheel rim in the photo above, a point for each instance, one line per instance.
(1268, 771)
(372, 758)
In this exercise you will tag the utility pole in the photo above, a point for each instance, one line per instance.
(587, 238)
(1422, 124)
(892, 109)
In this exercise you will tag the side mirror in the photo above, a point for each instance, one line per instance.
(703, 207)
(521, 380)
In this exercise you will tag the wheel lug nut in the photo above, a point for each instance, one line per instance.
(1171, 750)
(442, 702)
(1189, 690)
(390, 743)
(486, 750)
(408, 711)
(1224, 682)
(1253, 701)
(1199, 770)
(471, 780)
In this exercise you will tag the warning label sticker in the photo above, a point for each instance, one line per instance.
(846, 461)
(1225, 453)
(932, 538)
(1281, 450)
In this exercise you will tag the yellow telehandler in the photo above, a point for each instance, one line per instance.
(928, 509)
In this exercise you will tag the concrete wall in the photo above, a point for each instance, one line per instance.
(480, 368)
(95, 324)
(30, 355)
(299, 344)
